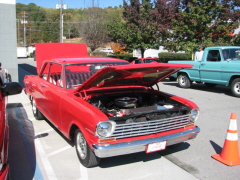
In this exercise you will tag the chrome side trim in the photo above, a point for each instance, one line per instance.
(109, 150)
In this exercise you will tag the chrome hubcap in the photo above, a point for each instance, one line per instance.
(34, 108)
(183, 80)
(237, 87)
(81, 146)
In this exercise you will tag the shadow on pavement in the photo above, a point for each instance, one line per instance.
(168, 154)
(71, 143)
(140, 157)
(22, 154)
(23, 70)
(128, 159)
(29, 68)
(216, 147)
(201, 87)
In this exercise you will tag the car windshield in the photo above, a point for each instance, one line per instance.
(77, 74)
(231, 54)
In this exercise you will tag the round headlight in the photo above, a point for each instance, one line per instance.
(105, 128)
(194, 114)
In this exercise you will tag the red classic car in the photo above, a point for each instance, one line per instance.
(6, 90)
(110, 108)
(146, 60)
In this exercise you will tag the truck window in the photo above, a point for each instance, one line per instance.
(230, 54)
(213, 55)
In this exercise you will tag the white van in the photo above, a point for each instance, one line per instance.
(107, 50)
(22, 52)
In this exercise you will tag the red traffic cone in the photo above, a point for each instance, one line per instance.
(230, 153)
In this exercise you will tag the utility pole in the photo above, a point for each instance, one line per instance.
(61, 23)
(18, 31)
(61, 7)
(25, 15)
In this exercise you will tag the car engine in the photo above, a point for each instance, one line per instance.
(138, 107)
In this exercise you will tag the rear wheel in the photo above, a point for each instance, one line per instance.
(85, 154)
(235, 87)
(37, 114)
(184, 81)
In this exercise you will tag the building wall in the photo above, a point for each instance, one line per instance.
(8, 38)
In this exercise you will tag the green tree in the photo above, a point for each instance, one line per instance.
(138, 29)
(164, 13)
(92, 27)
(50, 27)
(204, 22)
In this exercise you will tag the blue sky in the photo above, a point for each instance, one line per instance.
(73, 3)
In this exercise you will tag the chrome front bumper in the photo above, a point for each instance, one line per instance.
(109, 150)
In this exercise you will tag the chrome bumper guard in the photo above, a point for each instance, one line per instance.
(109, 150)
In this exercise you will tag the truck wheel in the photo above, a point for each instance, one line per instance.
(37, 114)
(85, 154)
(235, 87)
(210, 84)
(184, 81)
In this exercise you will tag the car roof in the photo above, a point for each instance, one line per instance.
(90, 59)
(222, 47)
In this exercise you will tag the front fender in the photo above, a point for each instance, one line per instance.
(193, 74)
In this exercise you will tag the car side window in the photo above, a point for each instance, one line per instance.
(55, 75)
(44, 74)
(138, 61)
(213, 55)
(148, 60)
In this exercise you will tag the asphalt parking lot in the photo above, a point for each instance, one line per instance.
(38, 151)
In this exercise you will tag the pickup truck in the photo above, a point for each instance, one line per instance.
(220, 65)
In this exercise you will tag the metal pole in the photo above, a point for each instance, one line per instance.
(18, 31)
(61, 23)
(24, 29)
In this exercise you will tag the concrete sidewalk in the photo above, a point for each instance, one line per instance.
(45, 154)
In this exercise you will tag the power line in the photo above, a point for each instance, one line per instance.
(34, 30)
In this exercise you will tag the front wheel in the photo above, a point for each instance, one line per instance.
(85, 154)
(184, 81)
(235, 87)
(37, 114)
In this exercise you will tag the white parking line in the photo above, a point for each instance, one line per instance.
(47, 165)
(44, 157)
(83, 172)
(58, 151)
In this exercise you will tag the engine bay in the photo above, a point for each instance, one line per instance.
(135, 107)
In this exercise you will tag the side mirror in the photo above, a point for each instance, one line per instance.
(11, 88)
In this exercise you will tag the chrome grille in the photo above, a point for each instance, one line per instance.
(150, 127)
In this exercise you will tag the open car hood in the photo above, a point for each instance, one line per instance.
(131, 75)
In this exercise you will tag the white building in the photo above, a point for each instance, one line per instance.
(8, 36)
(153, 53)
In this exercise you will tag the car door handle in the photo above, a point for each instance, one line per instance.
(43, 85)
